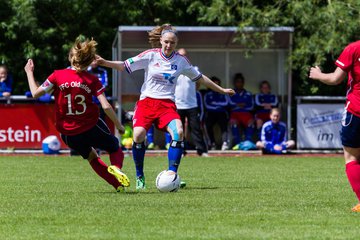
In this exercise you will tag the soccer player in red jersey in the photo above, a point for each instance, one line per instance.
(162, 65)
(348, 64)
(77, 117)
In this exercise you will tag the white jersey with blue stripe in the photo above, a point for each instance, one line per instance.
(161, 72)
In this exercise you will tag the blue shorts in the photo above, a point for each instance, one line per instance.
(97, 137)
(350, 131)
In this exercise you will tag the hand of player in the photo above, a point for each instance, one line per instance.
(121, 129)
(229, 91)
(29, 67)
(99, 60)
(315, 72)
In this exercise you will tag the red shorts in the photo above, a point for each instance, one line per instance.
(241, 118)
(158, 111)
(264, 116)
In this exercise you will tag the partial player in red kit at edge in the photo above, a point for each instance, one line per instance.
(77, 117)
(348, 63)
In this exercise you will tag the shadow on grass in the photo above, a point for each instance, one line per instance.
(186, 189)
(129, 193)
(201, 188)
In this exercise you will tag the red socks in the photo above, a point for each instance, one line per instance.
(101, 169)
(353, 174)
(117, 158)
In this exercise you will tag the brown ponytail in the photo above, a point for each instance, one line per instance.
(155, 34)
(82, 53)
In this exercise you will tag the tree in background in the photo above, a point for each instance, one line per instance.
(44, 30)
(322, 30)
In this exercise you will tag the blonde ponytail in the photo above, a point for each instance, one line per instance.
(156, 32)
(82, 53)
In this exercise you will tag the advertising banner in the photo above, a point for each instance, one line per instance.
(318, 126)
(24, 126)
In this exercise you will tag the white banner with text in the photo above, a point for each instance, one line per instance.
(318, 126)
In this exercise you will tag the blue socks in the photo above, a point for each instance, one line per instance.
(174, 154)
(138, 151)
(167, 138)
(150, 135)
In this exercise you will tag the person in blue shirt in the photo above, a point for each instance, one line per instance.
(242, 106)
(216, 106)
(99, 72)
(264, 102)
(273, 135)
(102, 75)
(6, 82)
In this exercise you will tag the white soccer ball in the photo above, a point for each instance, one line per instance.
(51, 145)
(168, 181)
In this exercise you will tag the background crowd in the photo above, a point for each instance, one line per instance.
(219, 122)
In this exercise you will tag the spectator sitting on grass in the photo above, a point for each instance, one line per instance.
(273, 135)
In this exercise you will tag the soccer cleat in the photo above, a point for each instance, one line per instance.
(140, 183)
(151, 146)
(356, 208)
(182, 184)
(119, 175)
(120, 189)
(236, 147)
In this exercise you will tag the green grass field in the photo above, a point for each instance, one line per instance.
(246, 197)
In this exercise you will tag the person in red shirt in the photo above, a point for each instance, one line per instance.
(77, 116)
(348, 64)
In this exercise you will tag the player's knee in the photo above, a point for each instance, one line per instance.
(176, 130)
(180, 134)
(139, 134)
(259, 145)
(92, 155)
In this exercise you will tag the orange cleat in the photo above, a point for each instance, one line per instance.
(356, 208)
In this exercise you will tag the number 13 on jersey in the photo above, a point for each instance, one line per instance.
(78, 102)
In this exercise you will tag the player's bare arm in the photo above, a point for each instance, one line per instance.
(118, 65)
(333, 78)
(210, 84)
(36, 91)
(109, 111)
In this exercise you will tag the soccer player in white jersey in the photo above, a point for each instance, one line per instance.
(162, 65)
